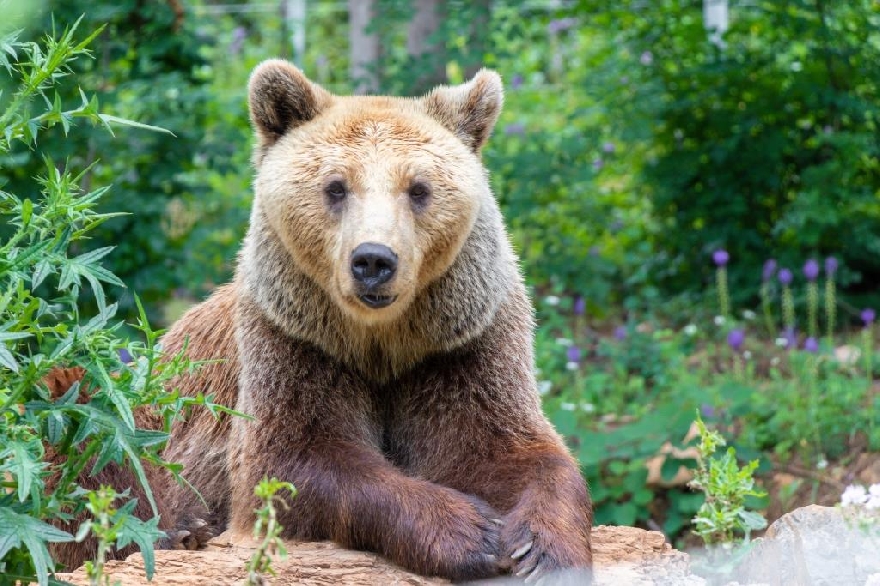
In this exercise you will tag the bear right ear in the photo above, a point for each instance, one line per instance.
(281, 98)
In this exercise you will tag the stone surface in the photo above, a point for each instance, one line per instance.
(622, 555)
(815, 546)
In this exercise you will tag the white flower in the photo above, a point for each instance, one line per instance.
(567, 406)
(748, 314)
(873, 503)
(564, 341)
(747, 354)
(822, 464)
(874, 491)
(782, 342)
(544, 387)
(855, 494)
(774, 361)
(690, 329)
(719, 320)
(588, 407)
(571, 365)
(552, 300)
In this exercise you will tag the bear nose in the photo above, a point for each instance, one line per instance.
(373, 264)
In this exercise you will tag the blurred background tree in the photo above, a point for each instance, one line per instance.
(631, 146)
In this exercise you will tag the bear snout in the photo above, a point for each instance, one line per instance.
(373, 265)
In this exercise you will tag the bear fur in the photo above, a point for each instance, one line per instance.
(413, 430)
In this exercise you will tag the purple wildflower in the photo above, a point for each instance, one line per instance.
(595, 251)
(580, 305)
(573, 353)
(790, 336)
(785, 276)
(868, 315)
(516, 128)
(707, 410)
(124, 355)
(646, 58)
(560, 24)
(620, 333)
(238, 37)
(616, 226)
(598, 163)
(720, 257)
(736, 338)
(516, 81)
(811, 345)
(830, 266)
(811, 269)
(769, 269)
(608, 147)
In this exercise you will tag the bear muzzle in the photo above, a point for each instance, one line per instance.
(373, 266)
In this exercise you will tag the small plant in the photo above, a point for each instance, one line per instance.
(115, 526)
(269, 543)
(726, 486)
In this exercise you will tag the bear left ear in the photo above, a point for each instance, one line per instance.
(469, 110)
(281, 98)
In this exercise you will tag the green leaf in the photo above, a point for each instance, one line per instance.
(107, 119)
(25, 469)
(123, 407)
(7, 359)
(17, 529)
(144, 534)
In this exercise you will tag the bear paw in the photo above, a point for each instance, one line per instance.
(190, 534)
(542, 554)
(465, 541)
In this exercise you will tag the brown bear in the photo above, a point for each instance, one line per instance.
(379, 332)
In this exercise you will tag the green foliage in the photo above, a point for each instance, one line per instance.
(149, 65)
(267, 520)
(48, 443)
(726, 486)
(116, 526)
(765, 144)
(618, 399)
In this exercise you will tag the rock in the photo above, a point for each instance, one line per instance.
(816, 546)
(622, 556)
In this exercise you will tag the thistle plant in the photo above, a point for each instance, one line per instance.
(44, 327)
(735, 340)
(811, 272)
(766, 302)
(830, 297)
(785, 277)
(267, 517)
(721, 258)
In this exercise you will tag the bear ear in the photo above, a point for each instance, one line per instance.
(281, 98)
(469, 110)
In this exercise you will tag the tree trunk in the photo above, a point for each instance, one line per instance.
(427, 51)
(364, 47)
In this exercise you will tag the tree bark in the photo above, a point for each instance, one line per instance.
(427, 52)
(364, 47)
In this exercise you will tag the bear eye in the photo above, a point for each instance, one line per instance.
(335, 191)
(419, 191)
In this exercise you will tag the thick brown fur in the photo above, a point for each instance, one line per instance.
(416, 430)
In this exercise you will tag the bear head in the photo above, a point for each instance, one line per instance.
(371, 197)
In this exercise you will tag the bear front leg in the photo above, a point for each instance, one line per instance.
(315, 426)
(472, 420)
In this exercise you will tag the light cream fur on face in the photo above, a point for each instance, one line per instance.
(378, 147)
